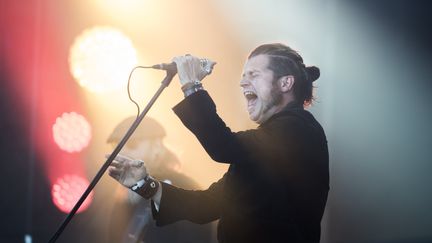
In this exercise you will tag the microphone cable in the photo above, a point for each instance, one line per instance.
(128, 89)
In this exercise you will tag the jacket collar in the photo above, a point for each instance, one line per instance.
(293, 106)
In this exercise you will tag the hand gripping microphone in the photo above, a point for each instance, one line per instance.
(206, 65)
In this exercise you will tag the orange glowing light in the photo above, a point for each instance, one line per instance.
(67, 190)
(71, 132)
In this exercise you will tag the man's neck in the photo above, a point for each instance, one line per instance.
(286, 102)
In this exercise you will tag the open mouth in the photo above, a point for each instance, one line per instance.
(251, 98)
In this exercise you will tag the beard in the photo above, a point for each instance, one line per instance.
(274, 100)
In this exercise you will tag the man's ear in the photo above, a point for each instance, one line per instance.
(286, 83)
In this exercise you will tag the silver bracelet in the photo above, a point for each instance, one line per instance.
(192, 87)
(139, 184)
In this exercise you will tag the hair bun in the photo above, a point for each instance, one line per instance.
(313, 73)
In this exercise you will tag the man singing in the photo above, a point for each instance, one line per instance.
(276, 187)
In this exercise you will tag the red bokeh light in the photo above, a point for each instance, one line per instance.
(67, 190)
(71, 132)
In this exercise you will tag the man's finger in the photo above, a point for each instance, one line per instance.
(123, 158)
(114, 173)
(115, 170)
(117, 164)
(137, 163)
(212, 63)
(177, 59)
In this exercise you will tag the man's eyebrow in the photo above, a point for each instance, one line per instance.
(250, 72)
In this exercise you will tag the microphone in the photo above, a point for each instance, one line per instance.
(170, 67)
(206, 65)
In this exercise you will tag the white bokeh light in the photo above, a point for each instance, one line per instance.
(71, 132)
(101, 59)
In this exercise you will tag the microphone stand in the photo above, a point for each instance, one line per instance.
(165, 82)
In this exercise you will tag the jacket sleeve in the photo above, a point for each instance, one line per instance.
(198, 114)
(200, 206)
(195, 111)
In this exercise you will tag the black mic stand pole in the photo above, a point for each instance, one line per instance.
(166, 81)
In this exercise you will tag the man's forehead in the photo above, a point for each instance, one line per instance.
(256, 64)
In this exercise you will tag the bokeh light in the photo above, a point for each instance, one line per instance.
(67, 190)
(71, 132)
(101, 59)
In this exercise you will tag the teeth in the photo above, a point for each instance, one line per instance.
(249, 95)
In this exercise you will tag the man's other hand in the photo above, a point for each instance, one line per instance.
(127, 171)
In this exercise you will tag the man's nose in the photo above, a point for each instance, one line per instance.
(244, 82)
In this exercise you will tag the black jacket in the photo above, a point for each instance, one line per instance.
(276, 187)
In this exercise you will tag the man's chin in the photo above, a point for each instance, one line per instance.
(253, 117)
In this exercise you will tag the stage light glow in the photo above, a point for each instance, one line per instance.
(101, 59)
(67, 190)
(71, 132)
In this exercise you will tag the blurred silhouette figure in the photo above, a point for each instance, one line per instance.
(131, 219)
